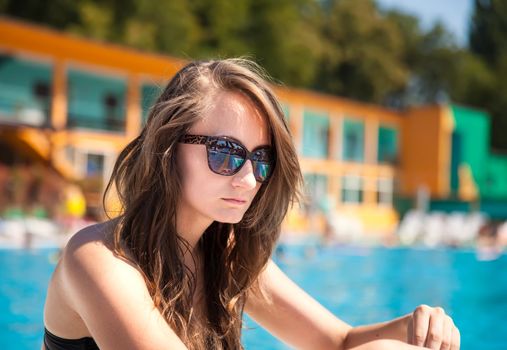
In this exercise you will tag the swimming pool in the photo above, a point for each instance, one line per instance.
(361, 285)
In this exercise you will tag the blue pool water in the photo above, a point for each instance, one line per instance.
(360, 285)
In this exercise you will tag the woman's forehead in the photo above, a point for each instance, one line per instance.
(233, 114)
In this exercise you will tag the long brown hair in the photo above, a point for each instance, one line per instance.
(147, 182)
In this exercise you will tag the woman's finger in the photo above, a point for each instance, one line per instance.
(447, 333)
(456, 339)
(421, 318)
(435, 329)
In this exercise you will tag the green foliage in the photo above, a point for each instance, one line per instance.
(165, 25)
(224, 24)
(488, 40)
(363, 54)
(488, 30)
(57, 13)
(284, 40)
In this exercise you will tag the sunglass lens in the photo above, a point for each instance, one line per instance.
(262, 171)
(225, 157)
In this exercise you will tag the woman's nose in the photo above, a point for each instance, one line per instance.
(245, 176)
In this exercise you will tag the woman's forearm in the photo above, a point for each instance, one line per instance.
(395, 329)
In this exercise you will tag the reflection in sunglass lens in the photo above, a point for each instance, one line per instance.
(261, 171)
(223, 162)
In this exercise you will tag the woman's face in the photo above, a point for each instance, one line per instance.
(206, 196)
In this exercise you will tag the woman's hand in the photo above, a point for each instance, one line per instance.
(432, 328)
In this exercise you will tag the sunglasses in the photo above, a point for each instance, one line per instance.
(226, 156)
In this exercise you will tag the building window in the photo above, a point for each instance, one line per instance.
(315, 134)
(387, 145)
(353, 140)
(315, 185)
(94, 164)
(149, 95)
(25, 91)
(96, 102)
(315, 190)
(385, 192)
(352, 189)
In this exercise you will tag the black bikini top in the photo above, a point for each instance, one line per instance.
(53, 342)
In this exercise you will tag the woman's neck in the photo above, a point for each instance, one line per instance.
(191, 226)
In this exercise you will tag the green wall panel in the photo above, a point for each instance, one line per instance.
(471, 143)
(495, 185)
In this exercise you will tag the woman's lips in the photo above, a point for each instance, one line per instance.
(236, 201)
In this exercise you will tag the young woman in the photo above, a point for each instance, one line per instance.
(204, 190)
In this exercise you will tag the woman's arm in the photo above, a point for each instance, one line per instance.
(395, 329)
(293, 316)
(112, 299)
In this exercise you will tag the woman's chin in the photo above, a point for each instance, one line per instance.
(230, 220)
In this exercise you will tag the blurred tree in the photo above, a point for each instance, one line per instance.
(431, 60)
(168, 26)
(57, 13)
(363, 55)
(285, 39)
(488, 31)
(471, 81)
(488, 40)
(280, 35)
(95, 20)
(224, 24)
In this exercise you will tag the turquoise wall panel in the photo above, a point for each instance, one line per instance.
(25, 89)
(353, 140)
(149, 95)
(96, 101)
(387, 145)
(315, 134)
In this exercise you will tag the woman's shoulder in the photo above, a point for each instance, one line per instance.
(90, 268)
(85, 253)
(94, 236)
(108, 293)
(91, 249)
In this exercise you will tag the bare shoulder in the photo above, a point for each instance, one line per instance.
(86, 250)
(109, 294)
(89, 254)
(90, 243)
(94, 239)
(89, 259)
